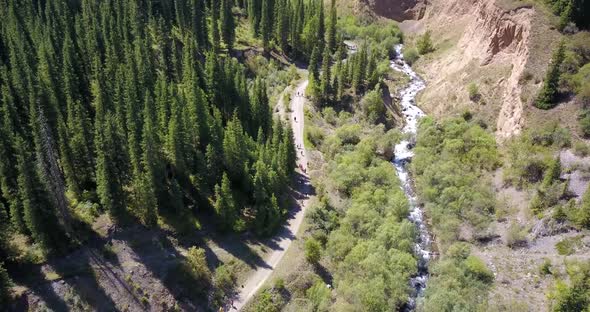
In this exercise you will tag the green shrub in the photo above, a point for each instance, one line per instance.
(552, 174)
(424, 43)
(372, 106)
(516, 235)
(314, 135)
(319, 295)
(546, 268)
(312, 251)
(581, 149)
(411, 55)
(224, 281)
(360, 197)
(458, 282)
(584, 120)
(349, 134)
(268, 302)
(478, 269)
(330, 115)
(473, 92)
(568, 246)
(193, 273)
(574, 296)
(450, 159)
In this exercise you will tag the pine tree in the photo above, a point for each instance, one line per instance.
(282, 10)
(331, 36)
(234, 149)
(321, 28)
(228, 31)
(8, 176)
(339, 73)
(289, 145)
(225, 206)
(38, 213)
(151, 163)
(314, 63)
(372, 75)
(199, 23)
(326, 79)
(359, 70)
(296, 26)
(109, 177)
(548, 95)
(4, 231)
(5, 284)
(214, 26)
(266, 24)
(552, 173)
(424, 43)
(254, 10)
(261, 114)
(176, 136)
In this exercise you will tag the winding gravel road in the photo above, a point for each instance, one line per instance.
(288, 231)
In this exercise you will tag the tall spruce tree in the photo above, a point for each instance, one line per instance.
(331, 35)
(266, 23)
(548, 95)
(228, 25)
(225, 206)
(215, 36)
(325, 87)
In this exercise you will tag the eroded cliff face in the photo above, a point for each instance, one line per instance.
(505, 37)
(398, 10)
(481, 42)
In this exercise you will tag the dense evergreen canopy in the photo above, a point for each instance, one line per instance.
(135, 105)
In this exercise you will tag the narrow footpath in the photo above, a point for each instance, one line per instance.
(288, 232)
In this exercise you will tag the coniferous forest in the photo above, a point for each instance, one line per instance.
(138, 108)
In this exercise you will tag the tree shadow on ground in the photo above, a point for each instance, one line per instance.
(324, 274)
(238, 245)
(62, 280)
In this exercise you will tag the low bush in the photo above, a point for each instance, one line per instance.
(473, 92)
(575, 295)
(411, 55)
(458, 282)
(450, 159)
(581, 149)
(312, 251)
(424, 43)
(516, 235)
(319, 295)
(372, 106)
(546, 268)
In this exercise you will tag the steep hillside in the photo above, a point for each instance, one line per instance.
(491, 44)
(397, 10)
(489, 60)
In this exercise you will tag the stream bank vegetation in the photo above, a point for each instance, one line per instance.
(451, 165)
(358, 249)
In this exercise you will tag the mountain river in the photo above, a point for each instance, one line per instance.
(403, 156)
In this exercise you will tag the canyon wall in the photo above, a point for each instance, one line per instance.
(485, 42)
(398, 10)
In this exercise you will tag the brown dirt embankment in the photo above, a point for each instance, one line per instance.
(502, 49)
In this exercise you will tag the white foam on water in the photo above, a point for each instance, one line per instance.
(403, 155)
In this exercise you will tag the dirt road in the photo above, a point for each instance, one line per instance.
(288, 231)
